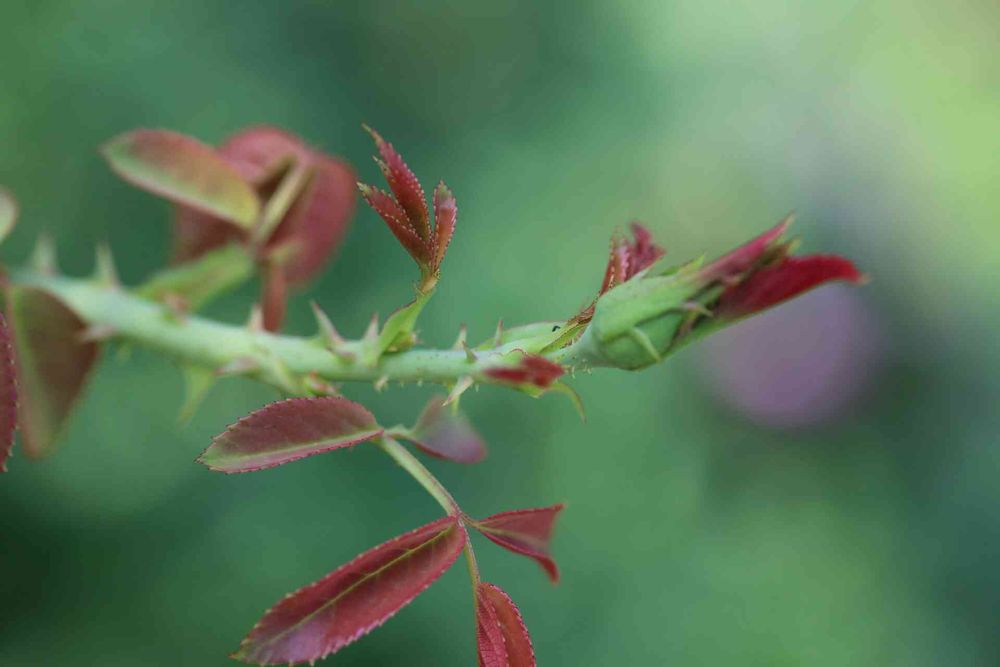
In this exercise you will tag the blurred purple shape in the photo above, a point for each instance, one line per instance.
(804, 363)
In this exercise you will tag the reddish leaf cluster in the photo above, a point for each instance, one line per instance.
(628, 259)
(262, 187)
(406, 213)
(625, 261)
(325, 616)
(531, 370)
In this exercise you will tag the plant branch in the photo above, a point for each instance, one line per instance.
(270, 358)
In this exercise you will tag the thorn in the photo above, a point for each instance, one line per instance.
(469, 354)
(498, 336)
(239, 366)
(317, 385)
(255, 323)
(371, 333)
(695, 307)
(331, 337)
(96, 333)
(177, 305)
(460, 387)
(197, 382)
(460, 341)
(43, 257)
(381, 383)
(105, 272)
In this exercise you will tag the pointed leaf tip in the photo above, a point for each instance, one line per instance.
(501, 636)
(289, 430)
(8, 395)
(185, 171)
(785, 280)
(445, 434)
(526, 532)
(404, 185)
(354, 599)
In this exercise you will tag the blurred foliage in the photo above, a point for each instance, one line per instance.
(696, 533)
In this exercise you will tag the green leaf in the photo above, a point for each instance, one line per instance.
(184, 171)
(53, 363)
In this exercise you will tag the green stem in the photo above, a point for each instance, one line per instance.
(419, 472)
(198, 341)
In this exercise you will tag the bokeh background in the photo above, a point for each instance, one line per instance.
(818, 486)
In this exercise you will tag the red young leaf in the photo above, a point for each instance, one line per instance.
(315, 223)
(318, 221)
(445, 215)
(746, 256)
(52, 364)
(628, 259)
(527, 532)
(185, 171)
(446, 435)
(8, 395)
(788, 278)
(406, 212)
(290, 430)
(354, 599)
(502, 637)
(404, 185)
(531, 369)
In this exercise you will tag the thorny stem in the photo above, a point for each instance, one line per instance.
(270, 358)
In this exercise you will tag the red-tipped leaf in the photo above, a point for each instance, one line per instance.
(350, 602)
(185, 171)
(788, 278)
(526, 532)
(744, 258)
(290, 430)
(501, 635)
(53, 363)
(8, 395)
(445, 434)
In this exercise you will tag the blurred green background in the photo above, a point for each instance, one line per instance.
(818, 486)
